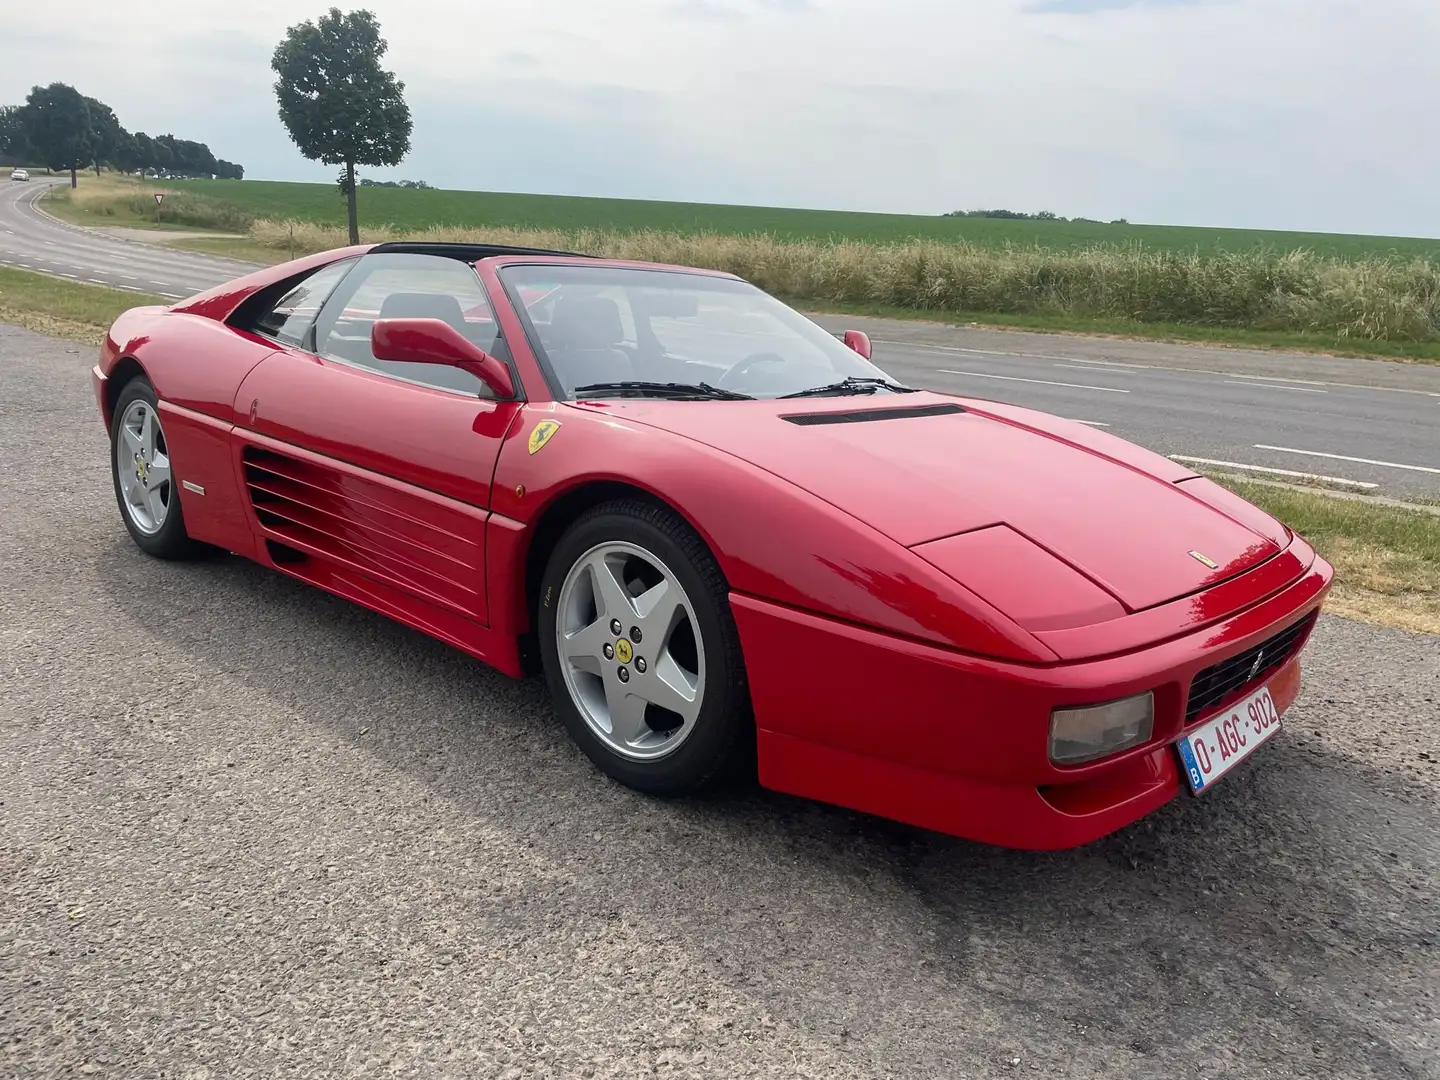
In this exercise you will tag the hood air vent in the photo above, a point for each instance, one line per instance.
(865, 415)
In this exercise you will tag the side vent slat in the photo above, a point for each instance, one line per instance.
(381, 531)
(863, 416)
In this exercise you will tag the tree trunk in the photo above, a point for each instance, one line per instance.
(73, 181)
(97, 168)
(350, 202)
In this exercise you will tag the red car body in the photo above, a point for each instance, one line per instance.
(914, 598)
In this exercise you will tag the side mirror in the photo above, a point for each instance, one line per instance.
(858, 341)
(434, 341)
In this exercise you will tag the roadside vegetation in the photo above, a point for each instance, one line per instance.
(1371, 305)
(1387, 558)
(110, 200)
(63, 309)
(411, 209)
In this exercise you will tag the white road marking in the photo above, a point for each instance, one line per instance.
(1270, 386)
(1078, 366)
(97, 281)
(1088, 423)
(1103, 363)
(1279, 378)
(1042, 382)
(1320, 382)
(1343, 457)
(1366, 485)
(1002, 352)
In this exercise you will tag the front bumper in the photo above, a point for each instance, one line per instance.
(959, 744)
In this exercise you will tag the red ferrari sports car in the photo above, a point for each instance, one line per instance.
(724, 535)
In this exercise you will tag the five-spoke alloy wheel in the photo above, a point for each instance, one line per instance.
(641, 651)
(140, 465)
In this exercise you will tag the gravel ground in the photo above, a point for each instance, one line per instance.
(249, 830)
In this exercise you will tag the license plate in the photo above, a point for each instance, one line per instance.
(1222, 742)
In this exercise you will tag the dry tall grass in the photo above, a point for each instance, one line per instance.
(110, 199)
(1365, 299)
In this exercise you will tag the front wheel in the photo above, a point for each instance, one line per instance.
(641, 651)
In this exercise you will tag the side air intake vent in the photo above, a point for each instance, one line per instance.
(428, 548)
(865, 415)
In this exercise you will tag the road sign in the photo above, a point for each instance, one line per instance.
(159, 198)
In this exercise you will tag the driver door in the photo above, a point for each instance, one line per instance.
(371, 468)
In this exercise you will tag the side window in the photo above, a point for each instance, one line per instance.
(396, 286)
(291, 318)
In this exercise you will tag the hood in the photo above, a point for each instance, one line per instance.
(922, 467)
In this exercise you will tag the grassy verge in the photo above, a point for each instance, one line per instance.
(252, 250)
(1297, 301)
(1386, 558)
(246, 249)
(65, 309)
(412, 210)
(108, 200)
(1421, 352)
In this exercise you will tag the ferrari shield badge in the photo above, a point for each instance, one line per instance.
(541, 435)
(1197, 556)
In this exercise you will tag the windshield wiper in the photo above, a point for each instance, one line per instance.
(852, 385)
(640, 388)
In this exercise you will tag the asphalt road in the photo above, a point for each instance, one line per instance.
(1375, 423)
(249, 830)
(35, 241)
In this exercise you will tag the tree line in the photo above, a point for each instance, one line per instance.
(1020, 215)
(60, 128)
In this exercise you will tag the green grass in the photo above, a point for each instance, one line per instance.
(1425, 352)
(1387, 306)
(60, 308)
(410, 210)
(1386, 558)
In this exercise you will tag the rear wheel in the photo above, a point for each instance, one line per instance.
(141, 469)
(641, 652)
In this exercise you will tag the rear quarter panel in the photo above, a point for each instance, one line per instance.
(194, 362)
(196, 366)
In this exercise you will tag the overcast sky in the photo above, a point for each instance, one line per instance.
(1298, 114)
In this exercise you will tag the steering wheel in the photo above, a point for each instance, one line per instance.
(726, 381)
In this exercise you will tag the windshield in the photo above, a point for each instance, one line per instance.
(597, 326)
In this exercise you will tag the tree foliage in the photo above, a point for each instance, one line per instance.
(337, 102)
(60, 128)
(15, 136)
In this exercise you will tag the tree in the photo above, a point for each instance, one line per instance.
(14, 136)
(107, 135)
(339, 105)
(59, 127)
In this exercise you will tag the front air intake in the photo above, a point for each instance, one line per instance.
(864, 416)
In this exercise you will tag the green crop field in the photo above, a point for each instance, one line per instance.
(412, 209)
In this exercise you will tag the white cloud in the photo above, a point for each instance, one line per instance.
(1282, 113)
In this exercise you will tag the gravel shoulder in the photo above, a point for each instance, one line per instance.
(248, 830)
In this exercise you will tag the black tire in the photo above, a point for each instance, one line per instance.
(721, 743)
(171, 541)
